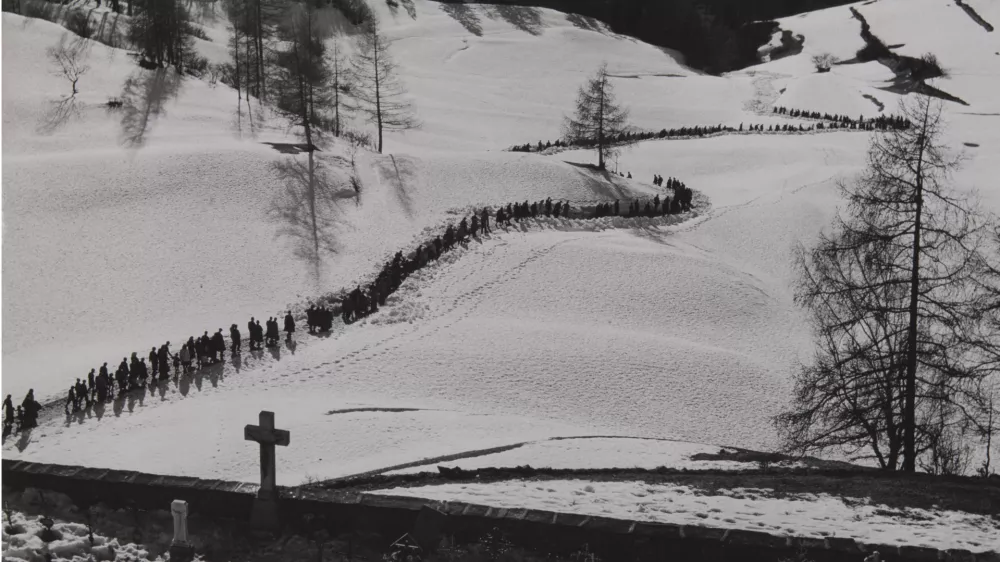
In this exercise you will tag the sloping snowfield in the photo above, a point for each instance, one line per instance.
(802, 515)
(679, 328)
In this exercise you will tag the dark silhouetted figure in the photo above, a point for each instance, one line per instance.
(8, 414)
(234, 336)
(289, 326)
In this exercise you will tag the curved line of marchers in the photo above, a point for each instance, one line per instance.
(586, 208)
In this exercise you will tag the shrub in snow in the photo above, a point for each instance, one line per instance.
(37, 9)
(79, 22)
(195, 65)
(823, 62)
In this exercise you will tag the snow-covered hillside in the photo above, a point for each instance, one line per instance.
(652, 328)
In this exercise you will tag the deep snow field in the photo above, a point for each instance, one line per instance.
(680, 328)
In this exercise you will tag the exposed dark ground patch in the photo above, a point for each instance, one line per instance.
(910, 72)
(389, 410)
(975, 16)
(874, 100)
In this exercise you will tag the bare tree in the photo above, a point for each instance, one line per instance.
(160, 29)
(303, 91)
(377, 91)
(598, 119)
(340, 84)
(897, 293)
(69, 56)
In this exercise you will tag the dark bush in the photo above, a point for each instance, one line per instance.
(37, 9)
(79, 22)
(196, 31)
(356, 11)
(195, 65)
(926, 67)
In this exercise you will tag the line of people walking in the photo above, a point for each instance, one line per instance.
(101, 385)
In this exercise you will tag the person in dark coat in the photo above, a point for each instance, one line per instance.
(143, 371)
(8, 412)
(102, 388)
(234, 336)
(219, 345)
(548, 207)
(311, 319)
(21, 421)
(122, 378)
(164, 357)
(31, 409)
(501, 217)
(449, 237)
(484, 223)
(81, 393)
(250, 332)
(289, 326)
(260, 334)
(71, 400)
(474, 225)
(347, 308)
(630, 175)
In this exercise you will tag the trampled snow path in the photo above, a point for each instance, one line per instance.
(801, 515)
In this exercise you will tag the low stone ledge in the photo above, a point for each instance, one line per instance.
(608, 525)
(389, 513)
(845, 545)
(960, 555)
(741, 537)
(538, 516)
(397, 502)
(698, 532)
(657, 530)
(570, 519)
(920, 554)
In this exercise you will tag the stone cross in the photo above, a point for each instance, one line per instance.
(264, 515)
(268, 437)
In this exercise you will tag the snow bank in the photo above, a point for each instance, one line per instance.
(802, 515)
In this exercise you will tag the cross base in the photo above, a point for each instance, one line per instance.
(264, 514)
(180, 552)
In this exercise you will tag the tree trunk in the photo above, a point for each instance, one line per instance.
(600, 126)
(378, 98)
(909, 407)
(261, 83)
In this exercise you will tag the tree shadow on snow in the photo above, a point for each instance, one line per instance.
(586, 23)
(59, 113)
(293, 207)
(411, 10)
(144, 97)
(600, 182)
(466, 15)
(524, 18)
(400, 171)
